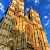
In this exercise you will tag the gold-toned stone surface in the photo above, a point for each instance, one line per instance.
(19, 32)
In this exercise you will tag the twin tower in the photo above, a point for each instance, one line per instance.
(22, 32)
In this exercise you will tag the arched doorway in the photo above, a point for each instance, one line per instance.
(11, 45)
(12, 48)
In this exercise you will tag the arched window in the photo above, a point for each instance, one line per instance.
(29, 34)
(28, 29)
(14, 21)
(30, 16)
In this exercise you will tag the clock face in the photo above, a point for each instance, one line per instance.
(4, 4)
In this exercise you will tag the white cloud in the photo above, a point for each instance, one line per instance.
(2, 7)
(46, 24)
(46, 33)
(36, 2)
(45, 17)
(48, 21)
(27, 9)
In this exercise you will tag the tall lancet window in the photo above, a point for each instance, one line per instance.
(29, 16)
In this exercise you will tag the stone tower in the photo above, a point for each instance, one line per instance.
(39, 41)
(16, 7)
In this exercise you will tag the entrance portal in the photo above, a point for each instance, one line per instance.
(11, 44)
(12, 48)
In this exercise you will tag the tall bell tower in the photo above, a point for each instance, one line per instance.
(16, 8)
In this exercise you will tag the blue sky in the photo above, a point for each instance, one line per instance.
(3, 7)
(42, 7)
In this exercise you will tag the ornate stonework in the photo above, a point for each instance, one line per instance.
(19, 32)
